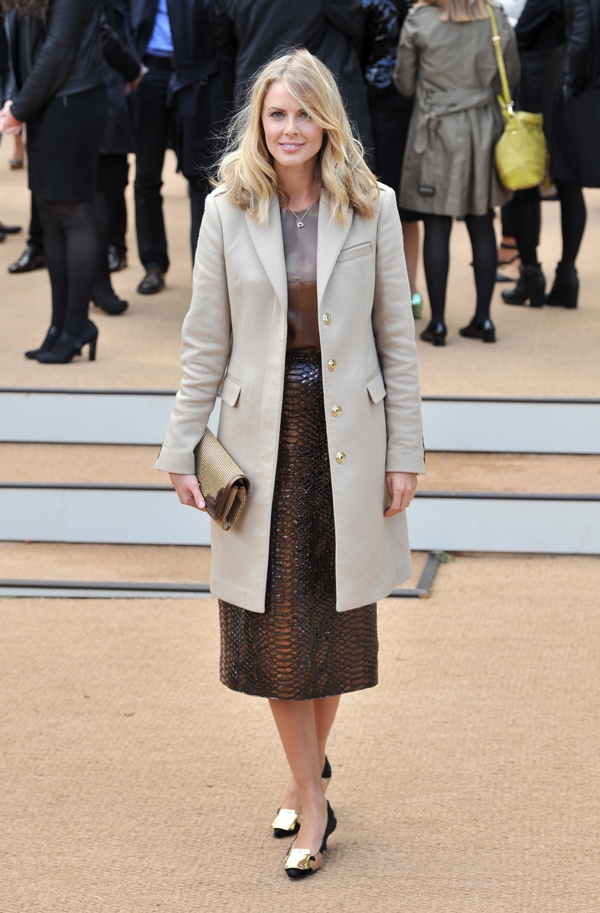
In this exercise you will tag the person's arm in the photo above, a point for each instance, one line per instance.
(394, 331)
(117, 54)
(407, 62)
(223, 31)
(579, 50)
(54, 61)
(205, 348)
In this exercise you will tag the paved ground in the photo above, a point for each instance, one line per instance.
(468, 781)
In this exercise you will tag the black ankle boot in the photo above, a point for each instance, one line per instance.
(435, 333)
(48, 343)
(530, 286)
(565, 288)
(68, 346)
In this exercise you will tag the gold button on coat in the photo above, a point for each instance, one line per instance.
(336, 411)
(327, 319)
(332, 364)
(340, 457)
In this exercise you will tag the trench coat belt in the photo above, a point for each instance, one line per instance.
(437, 104)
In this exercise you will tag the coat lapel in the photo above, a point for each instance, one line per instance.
(331, 237)
(268, 242)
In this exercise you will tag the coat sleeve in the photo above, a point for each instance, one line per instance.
(407, 61)
(394, 329)
(205, 347)
(509, 49)
(55, 59)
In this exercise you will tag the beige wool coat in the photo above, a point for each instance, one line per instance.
(234, 345)
(451, 69)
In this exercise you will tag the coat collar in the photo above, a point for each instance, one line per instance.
(268, 242)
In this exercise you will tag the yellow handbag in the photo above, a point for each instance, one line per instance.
(521, 150)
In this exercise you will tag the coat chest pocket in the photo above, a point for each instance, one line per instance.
(376, 386)
(355, 253)
(230, 390)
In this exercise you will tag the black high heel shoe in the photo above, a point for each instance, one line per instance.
(49, 342)
(484, 330)
(286, 823)
(435, 333)
(299, 863)
(68, 347)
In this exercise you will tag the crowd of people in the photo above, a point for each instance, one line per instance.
(112, 79)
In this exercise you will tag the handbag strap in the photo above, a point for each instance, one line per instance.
(497, 42)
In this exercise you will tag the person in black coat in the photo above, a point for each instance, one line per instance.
(201, 87)
(4, 94)
(60, 76)
(558, 43)
(124, 75)
(252, 31)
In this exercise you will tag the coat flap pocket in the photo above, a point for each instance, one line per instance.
(376, 386)
(353, 253)
(230, 390)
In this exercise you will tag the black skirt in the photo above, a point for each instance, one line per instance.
(62, 146)
(301, 648)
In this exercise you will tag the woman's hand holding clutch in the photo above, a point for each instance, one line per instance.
(188, 490)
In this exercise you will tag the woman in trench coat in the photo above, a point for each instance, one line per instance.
(446, 57)
(301, 321)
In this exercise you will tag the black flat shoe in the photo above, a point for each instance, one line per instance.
(286, 823)
(49, 342)
(10, 229)
(68, 346)
(435, 333)
(153, 282)
(29, 260)
(485, 331)
(299, 863)
(116, 261)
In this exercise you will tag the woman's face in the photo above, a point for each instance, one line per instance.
(292, 138)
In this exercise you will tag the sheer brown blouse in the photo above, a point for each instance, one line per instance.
(300, 248)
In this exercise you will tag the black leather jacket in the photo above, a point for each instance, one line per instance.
(59, 54)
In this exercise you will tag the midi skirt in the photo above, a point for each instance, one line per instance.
(301, 648)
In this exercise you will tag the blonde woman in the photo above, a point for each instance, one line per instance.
(446, 57)
(301, 321)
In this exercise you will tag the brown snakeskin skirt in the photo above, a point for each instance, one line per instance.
(300, 648)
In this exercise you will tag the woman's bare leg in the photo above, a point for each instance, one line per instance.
(324, 710)
(296, 724)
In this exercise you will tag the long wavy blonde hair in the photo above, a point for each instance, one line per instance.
(246, 169)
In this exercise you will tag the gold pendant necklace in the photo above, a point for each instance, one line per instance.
(300, 219)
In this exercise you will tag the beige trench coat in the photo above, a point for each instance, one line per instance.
(234, 344)
(451, 68)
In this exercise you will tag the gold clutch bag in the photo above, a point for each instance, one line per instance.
(222, 483)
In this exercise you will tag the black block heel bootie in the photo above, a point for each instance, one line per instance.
(49, 342)
(68, 346)
(565, 288)
(530, 287)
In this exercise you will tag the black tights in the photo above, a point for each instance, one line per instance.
(71, 248)
(526, 221)
(436, 261)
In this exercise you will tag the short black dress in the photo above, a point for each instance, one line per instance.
(301, 648)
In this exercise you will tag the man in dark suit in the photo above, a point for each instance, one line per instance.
(181, 100)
